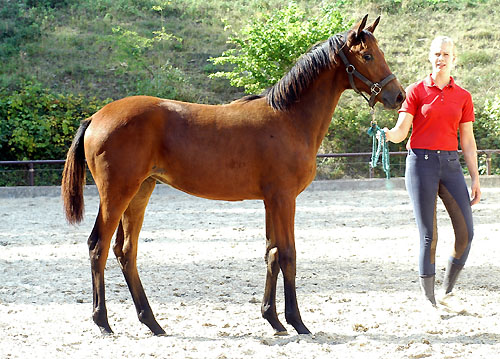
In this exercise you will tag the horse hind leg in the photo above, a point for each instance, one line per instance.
(125, 249)
(99, 243)
(114, 199)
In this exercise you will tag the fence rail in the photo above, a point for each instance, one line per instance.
(30, 164)
(487, 153)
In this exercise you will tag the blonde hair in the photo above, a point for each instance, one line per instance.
(439, 40)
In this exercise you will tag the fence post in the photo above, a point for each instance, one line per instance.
(488, 164)
(31, 173)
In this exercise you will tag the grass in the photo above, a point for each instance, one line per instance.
(72, 48)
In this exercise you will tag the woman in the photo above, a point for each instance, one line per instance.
(436, 108)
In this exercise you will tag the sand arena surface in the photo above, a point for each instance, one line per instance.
(201, 263)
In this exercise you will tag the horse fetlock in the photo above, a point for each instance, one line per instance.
(147, 318)
(269, 314)
(295, 321)
(301, 329)
(100, 318)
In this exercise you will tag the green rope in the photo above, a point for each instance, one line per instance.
(379, 148)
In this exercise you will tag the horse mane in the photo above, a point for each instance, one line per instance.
(248, 98)
(288, 90)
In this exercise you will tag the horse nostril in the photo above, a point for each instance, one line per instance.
(400, 98)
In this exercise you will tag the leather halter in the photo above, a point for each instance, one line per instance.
(375, 87)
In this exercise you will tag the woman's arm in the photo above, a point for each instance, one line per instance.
(399, 132)
(469, 150)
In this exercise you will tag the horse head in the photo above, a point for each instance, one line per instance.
(367, 69)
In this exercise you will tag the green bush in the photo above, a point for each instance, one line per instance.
(487, 126)
(487, 132)
(37, 124)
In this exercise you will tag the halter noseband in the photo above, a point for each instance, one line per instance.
(375, 87)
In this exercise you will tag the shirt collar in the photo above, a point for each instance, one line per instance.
(429, 82)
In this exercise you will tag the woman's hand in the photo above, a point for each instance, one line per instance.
(475, 192)
(400, 131)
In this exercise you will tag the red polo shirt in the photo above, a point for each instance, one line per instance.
(436, 114)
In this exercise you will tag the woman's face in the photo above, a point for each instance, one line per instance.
(442, 58)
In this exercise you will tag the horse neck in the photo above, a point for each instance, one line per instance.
(315, 109)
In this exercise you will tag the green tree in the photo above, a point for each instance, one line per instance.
(267, 47)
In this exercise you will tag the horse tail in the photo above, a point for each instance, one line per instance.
(73, 179)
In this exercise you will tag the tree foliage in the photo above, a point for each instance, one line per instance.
(268, 46)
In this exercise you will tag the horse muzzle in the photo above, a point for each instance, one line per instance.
(392, 96)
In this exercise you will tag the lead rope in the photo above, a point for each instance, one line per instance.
(379, 148)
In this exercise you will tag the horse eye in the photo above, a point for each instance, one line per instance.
(367, 57)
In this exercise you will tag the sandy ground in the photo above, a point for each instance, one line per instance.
(201, 263)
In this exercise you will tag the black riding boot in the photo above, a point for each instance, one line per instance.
(451, 275)
(427, 285)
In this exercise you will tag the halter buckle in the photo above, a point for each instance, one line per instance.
(350, 69)
(375, 89)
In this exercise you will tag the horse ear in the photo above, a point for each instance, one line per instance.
(354, 35)
(373, 26)
(360, 26)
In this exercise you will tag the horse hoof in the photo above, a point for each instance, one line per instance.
(281, 333)
(106, 331)
(160, 333)
(304, 331)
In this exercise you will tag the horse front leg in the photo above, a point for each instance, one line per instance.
(268, 308)
(282, 213)
(292, 314)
